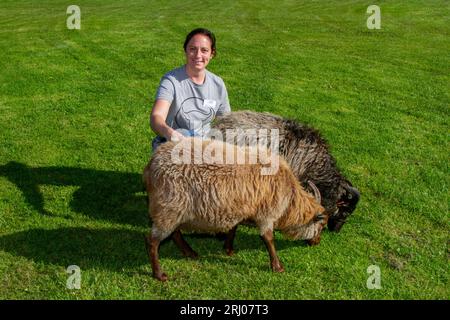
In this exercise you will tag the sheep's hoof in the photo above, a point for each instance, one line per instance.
(191, 254)
(313, 241)
(230, 252)
(277, 267)
(160, 276)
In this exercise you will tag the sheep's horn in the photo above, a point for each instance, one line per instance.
(316, 192)
(319, 217)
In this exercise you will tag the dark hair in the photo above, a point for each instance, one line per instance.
(204, 32)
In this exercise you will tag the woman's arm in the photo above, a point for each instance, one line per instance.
(158, 120)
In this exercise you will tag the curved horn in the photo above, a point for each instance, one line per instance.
(316, 192)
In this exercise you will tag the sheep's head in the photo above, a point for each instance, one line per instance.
(320, 221)
(312, 230)
(344, 207)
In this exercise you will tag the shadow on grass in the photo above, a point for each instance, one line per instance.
(107, 195)
(247, 238)
(117, 249)
(111, 249)
(247, 242)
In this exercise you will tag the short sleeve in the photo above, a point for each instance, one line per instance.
(166, 90)
(224, 103)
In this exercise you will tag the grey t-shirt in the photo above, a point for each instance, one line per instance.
(193, 106)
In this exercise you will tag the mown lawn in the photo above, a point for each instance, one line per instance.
(74, 135)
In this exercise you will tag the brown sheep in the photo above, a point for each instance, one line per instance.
(211, 196)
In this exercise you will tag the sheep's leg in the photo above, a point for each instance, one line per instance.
(228, 245)
(152, 243)
(185, 248)
(274, 261)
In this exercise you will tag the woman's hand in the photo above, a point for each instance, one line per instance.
(176, 136)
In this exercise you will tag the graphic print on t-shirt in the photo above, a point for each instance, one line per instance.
(195, 113)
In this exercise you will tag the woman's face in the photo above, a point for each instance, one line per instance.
(198, 52)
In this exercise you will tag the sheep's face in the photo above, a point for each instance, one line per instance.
(320, 221)
(344, 208)
(310, 231)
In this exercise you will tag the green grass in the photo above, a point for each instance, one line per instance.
(74, 138)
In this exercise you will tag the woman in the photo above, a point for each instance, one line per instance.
(189, 97)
